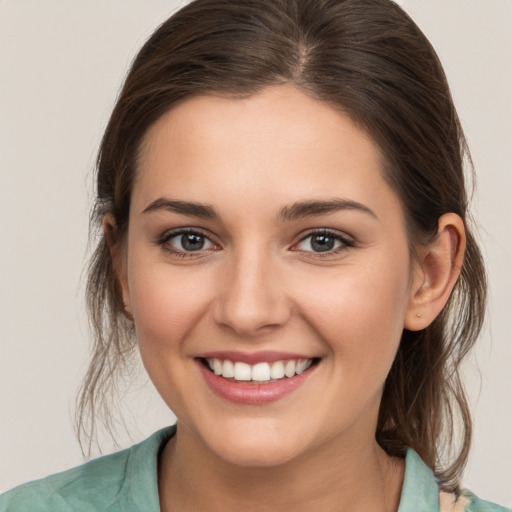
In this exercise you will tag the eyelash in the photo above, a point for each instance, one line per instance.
(169, 235)
(345, 242)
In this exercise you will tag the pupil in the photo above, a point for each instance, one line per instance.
(322, 243)
(192, 242)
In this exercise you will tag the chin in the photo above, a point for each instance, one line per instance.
(258, 456)
(254, 447)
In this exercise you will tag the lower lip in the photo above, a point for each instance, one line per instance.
(245, 393)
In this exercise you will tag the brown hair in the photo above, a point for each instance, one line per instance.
(368, 59)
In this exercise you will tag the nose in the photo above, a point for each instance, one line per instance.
(252, 298)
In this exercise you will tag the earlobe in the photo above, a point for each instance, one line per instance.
(437, 269)
(111, 233)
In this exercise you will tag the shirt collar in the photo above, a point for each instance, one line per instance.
(420, 491)
(140, 488)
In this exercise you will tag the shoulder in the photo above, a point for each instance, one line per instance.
(420, 492)
(467, 502)
(86, 487)
(475, 504)
(96, 486)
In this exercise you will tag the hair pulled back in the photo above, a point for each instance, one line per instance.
(369, 60)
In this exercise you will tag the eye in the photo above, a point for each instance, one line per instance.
(186, 241)
(324, 241)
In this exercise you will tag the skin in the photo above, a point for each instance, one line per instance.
(258, 284)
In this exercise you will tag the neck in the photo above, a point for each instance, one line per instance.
(356, 476)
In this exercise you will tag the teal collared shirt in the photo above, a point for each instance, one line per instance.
(127, 482)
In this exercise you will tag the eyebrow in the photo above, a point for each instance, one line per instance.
(296, 211)
(312, 208)
(203, 211)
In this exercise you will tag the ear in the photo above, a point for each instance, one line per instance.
(118, 259)
(437, 268)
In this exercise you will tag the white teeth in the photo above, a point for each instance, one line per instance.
(228, 370)
(277, 370)
(242, 371)
(259, 372)
(302, 366)
(217, 367)
(289, 369)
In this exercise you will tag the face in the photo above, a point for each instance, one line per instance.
(268, 273)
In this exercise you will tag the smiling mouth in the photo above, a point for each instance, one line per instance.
(259, 373)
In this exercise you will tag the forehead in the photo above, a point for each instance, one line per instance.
(269, 149)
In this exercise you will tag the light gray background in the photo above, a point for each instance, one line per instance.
(61, 64)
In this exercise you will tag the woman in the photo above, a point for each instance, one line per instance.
(285, 238)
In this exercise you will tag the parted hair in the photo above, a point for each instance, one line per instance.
(369, 60)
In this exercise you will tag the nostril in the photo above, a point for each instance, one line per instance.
(250, 301)
(250, 320)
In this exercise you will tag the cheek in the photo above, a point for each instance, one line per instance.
(166, 304)
(360, 313)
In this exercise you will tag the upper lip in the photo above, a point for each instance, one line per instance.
(268, 356)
